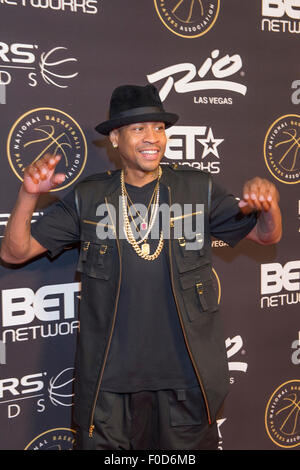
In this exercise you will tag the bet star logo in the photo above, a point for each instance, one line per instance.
(210, 144)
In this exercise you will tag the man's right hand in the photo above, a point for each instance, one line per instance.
(39, 177)
(18, 246)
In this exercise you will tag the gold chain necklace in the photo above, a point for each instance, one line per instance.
(143, 224)
(144, 251)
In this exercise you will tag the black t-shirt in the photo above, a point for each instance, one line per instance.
(148, 350)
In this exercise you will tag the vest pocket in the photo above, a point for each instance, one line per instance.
(187, 260)
(96, 259)
(199, 295)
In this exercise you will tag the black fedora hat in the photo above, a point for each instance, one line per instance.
(133, 103)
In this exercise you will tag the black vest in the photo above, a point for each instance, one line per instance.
(189, 254)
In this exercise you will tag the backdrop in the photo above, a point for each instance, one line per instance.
(230, 69)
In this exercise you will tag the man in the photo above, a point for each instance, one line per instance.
(151, 362)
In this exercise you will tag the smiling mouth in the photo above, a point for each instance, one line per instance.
(150, 154)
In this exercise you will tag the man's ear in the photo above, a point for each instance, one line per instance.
(114, 137)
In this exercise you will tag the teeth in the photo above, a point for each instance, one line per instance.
(149, 151)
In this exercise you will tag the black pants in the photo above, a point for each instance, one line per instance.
(150, 420)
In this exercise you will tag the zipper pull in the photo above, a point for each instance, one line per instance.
(91, 430)
(86, 246)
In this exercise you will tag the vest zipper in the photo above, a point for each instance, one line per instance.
(92, 426)
(97, 223)
(182, 326)
(172, 219)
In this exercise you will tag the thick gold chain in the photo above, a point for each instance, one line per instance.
(128, 232)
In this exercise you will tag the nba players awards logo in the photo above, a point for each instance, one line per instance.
(188, 18)
(282, 419)
(47, 130)
(53, 439)
(281, 149)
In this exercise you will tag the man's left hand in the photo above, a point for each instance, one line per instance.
(262, 196)
(258, 194)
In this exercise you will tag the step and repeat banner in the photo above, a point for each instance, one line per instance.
(230, 69)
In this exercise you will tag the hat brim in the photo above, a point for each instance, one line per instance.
(168, 118)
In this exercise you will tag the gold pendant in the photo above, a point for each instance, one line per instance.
(145, 248)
